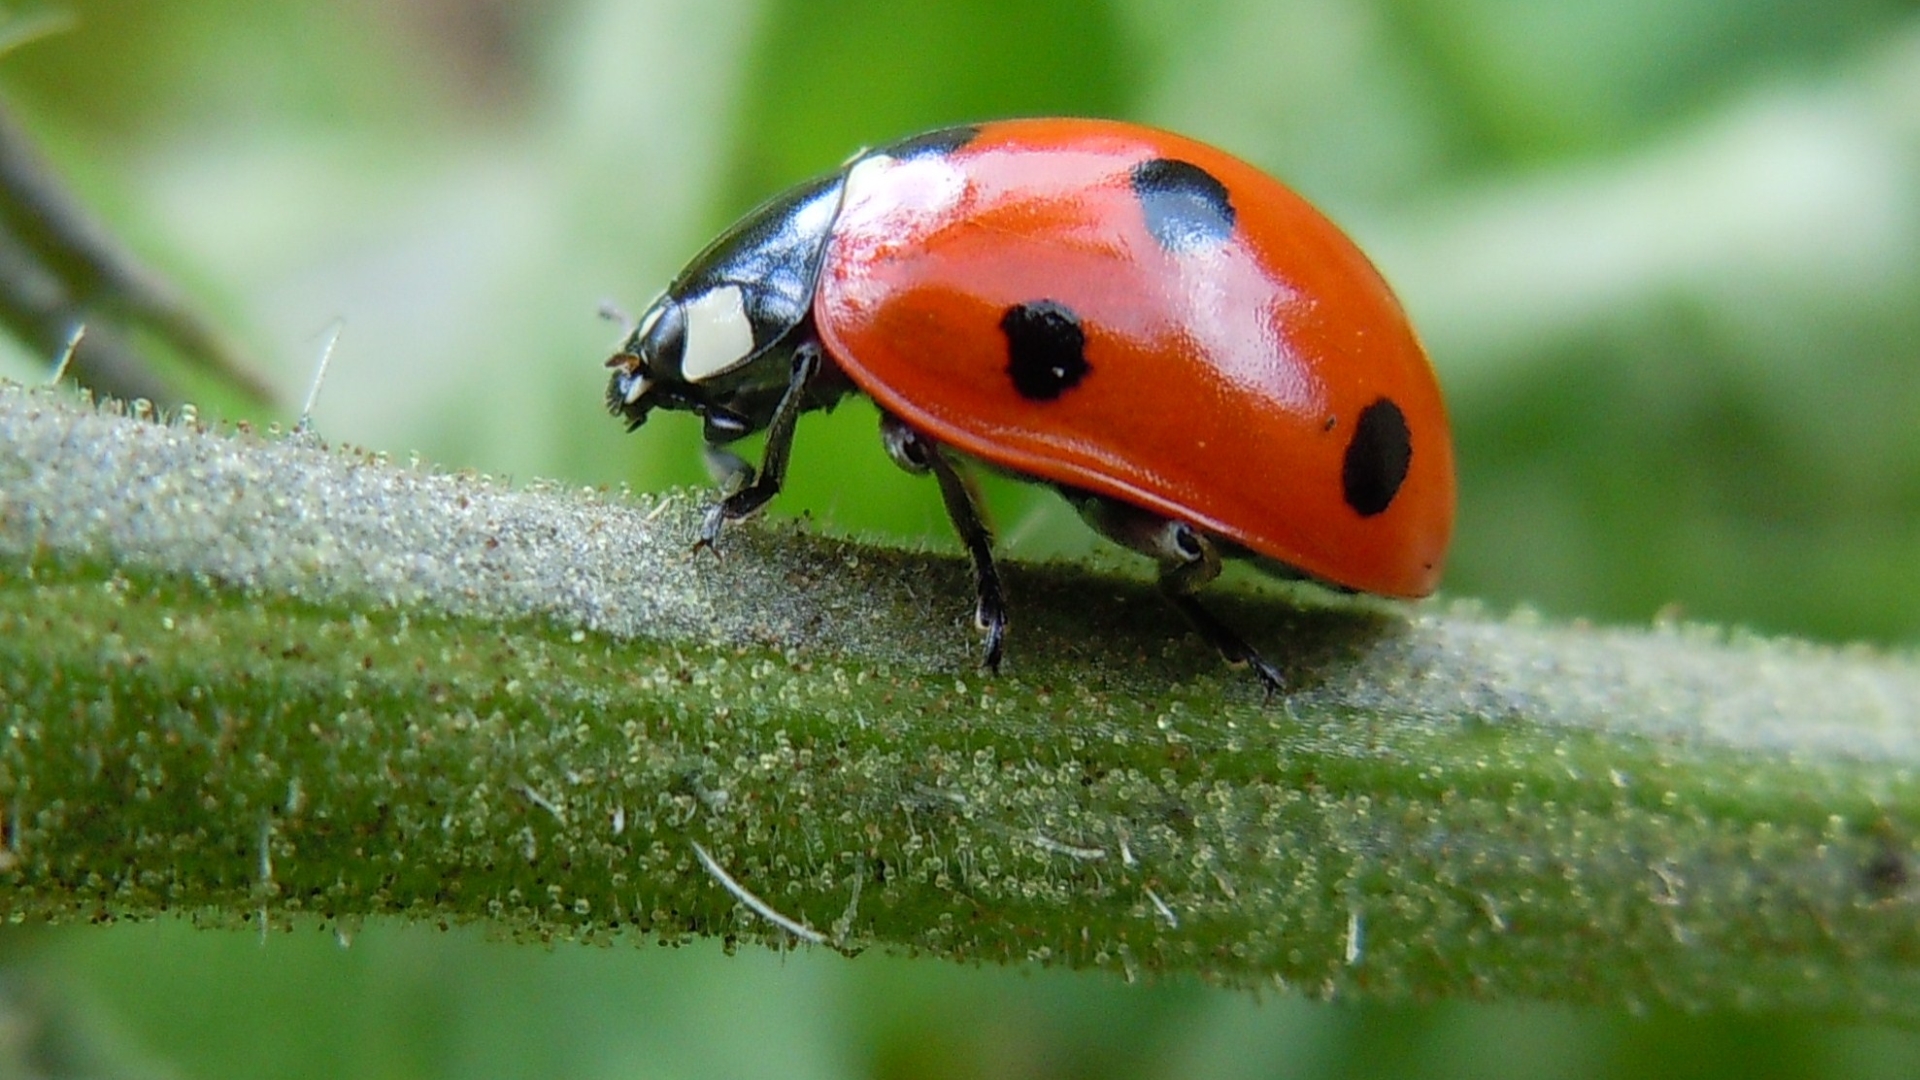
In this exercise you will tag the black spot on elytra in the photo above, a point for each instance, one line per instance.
(1187, 208)
(932, 143)
(1377, 458)
(1046, 349)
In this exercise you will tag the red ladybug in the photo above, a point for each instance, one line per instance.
(1197, 359)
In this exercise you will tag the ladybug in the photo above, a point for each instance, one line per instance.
(1201, 363)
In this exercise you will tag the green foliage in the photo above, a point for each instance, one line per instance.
(827, 78)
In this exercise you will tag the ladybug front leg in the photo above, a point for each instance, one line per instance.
(755, 492)
(918, 454)
(1188, 559)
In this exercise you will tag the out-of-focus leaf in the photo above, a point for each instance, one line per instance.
(1527, 80)
(827, 77)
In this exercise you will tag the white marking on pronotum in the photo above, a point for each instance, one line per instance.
(649, 317)
(66, 354)
(755, 904)
(1356, 936)
(719, 334)
(305, 423)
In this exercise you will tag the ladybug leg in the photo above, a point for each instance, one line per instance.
(918, 454)
(1189, 560)
(729, 470)
(1177, 588)
(746, 492)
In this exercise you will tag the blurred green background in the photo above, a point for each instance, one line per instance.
(1666, 256)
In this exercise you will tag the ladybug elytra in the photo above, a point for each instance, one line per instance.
(1197, 359)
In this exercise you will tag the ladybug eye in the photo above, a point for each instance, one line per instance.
(661, 337)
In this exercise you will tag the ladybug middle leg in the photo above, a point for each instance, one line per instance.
(1189, 559)
(918, 454)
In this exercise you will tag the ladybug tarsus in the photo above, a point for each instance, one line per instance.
(709, 538)
(1189, 560)
(993, 622)
(1231, 645)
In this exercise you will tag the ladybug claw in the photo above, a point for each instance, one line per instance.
(994, 625)
(1232, 647)
(1271, 680)
(709, 539)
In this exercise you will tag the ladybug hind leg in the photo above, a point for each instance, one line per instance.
(1189, 559)
(918, 454)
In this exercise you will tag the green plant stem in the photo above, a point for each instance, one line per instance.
(247, 677)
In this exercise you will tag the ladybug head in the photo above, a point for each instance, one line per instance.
(658, 368)
(720, 342)
(647, 366)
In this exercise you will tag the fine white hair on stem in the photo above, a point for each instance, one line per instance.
(1071, 851)
(844, 924)
(536, 798)
(755, 904)
(66, 354)
(265, 873)
(1166, 912)
(305, 423)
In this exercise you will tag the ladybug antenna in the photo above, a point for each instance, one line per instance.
(614, 313)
